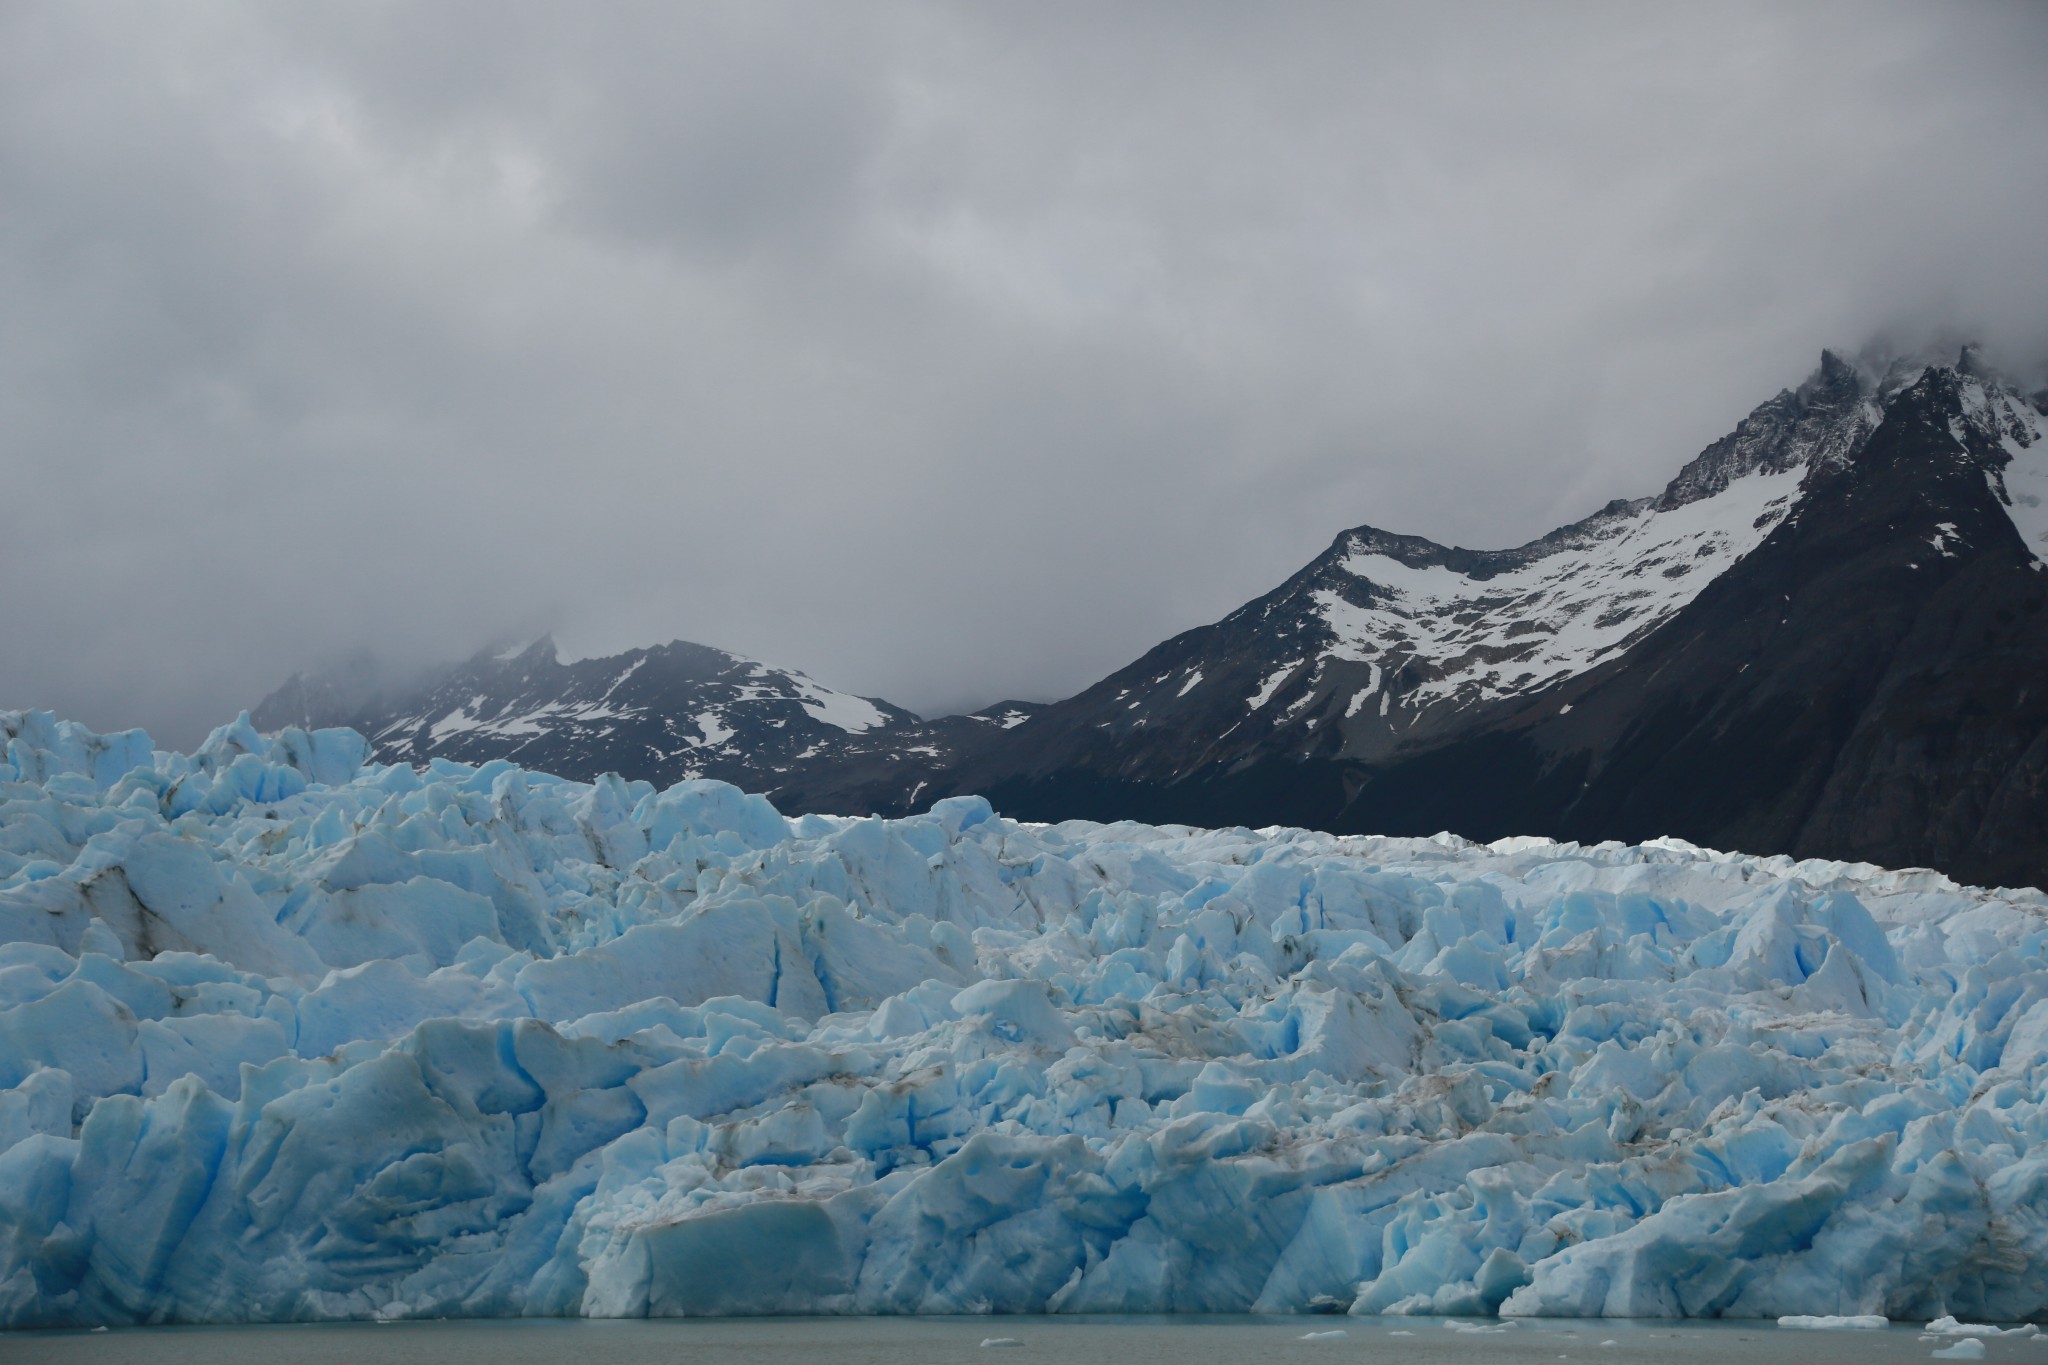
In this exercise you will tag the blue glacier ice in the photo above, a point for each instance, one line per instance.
(289, 1035)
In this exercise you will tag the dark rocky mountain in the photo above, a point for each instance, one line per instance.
(1827, 636)
(663, 714)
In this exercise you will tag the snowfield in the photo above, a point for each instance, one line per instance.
(285, 1036)
(1556, 616)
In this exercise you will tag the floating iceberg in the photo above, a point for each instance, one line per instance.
(1949, 1327)
(284, 1035)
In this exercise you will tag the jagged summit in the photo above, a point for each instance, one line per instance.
(1820, 424)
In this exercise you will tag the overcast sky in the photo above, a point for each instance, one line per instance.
(945, 352)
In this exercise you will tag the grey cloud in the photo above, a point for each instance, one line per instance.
(946, 352)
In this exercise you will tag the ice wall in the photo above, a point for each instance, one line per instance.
(284, 1036)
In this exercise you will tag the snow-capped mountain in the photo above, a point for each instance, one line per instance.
(1871, 537)
(1385, 639)
(660, 714)
(1825, 636)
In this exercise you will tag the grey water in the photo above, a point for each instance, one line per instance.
(965, 1340)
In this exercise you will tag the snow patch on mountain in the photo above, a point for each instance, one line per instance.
(1530, 626)
(849, 713)
(2021, 434)
(1271, 684)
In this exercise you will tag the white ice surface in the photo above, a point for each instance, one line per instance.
(283, 1036)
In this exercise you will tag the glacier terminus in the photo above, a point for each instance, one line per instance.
(286, 1034)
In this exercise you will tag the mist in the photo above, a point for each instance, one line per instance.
(947, 353)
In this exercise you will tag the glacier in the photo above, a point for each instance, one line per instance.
(286, 1035)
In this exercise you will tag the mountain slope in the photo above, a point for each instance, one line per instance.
(1871, 684)
(1386, 640)
(1825, 637)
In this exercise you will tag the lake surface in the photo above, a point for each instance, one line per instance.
(941, 1341)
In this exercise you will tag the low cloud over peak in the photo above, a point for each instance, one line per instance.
(943, 353)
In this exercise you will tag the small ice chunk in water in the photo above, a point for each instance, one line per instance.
(1337, 1335)
(1866, 1322)
(1000, 1341)
(1969, 1348)
(1949, 1327)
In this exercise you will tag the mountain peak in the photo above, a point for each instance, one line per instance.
(522, 649)
(1820, 640)
(1834, 368)
(1820, 424)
